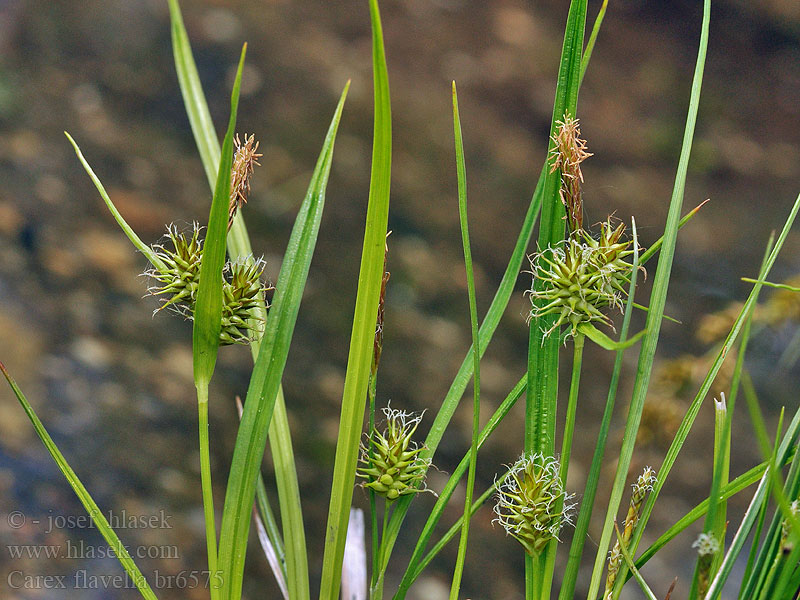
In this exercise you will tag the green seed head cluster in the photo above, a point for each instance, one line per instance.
(390, 461)
(581, 276)
(531, 503)
(242, 291)
(177, 285)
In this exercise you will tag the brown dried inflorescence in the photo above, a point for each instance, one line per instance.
(567, 155)
(245, 158)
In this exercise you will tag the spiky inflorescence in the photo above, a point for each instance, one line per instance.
(644, 484)
(243, 288)
(390, 461)
(581, 276)
(179, 282)
(531, 503)
(245, 158)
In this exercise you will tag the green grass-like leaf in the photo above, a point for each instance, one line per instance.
(461, 172)
(362, 338)
(208, 308)
(655, 314)
(542, 391)
(135, 240)
(80, 490)
(267, 372)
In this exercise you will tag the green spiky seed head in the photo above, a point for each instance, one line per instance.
(579, 277)
(243, 290)
(390, 460)
(531, 503)
(177, 284)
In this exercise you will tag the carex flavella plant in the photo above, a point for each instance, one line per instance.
(579, 276)
(390, 460)
(531, 503)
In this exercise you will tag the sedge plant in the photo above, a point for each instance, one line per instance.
(582, 278)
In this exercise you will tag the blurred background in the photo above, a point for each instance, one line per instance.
(113, 383)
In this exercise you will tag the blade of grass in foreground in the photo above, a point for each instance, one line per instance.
(362, 338)
(208, 319)
(655, 313)
(239, 247)
(542, 391)
(473, 319)
(80, 490)
(267, 372)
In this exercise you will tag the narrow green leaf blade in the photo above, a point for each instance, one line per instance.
(195, 101)
(461, 171)
(655, 314)
(602, 340)
(208, 308)
(267, 372)
(629, 561)
(362, 338)
(80, 490)
(135, 240)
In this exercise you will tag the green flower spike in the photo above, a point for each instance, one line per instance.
(531, 503)
(177, 285)
(180, 281)
(390, 461)
(580, 277)
(242, 290)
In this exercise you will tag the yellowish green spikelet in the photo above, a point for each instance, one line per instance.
(179, 282)
(643, 485)
(531, 503)
(581, 276)
(243, 288)
(390, 460)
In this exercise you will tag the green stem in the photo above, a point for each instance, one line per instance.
(376, 591)
(373, 513)
(208, 495)
(587, 53)
(566, 449)
(590, 491)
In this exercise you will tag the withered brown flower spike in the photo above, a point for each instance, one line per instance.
(245, 158)
(568, 154)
